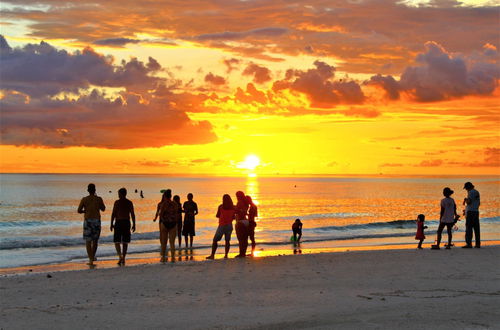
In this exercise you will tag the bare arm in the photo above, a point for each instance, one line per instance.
(81, 208)
(113, 217)
(102, 207)
(132, 215)
(441, 214)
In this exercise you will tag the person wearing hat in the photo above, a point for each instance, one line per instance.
(447, 217)
(472, 202)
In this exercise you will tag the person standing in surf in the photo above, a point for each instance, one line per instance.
(168, 224)
(190, 209)
(123, 210)
(252, 214)
(90, 207)
(177, 200)
(226, 214)
(242, 224)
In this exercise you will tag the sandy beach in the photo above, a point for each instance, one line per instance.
(446, 289)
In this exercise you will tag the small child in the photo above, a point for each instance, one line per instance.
(420, 230)
(297, 230)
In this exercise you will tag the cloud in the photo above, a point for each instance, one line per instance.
(229, 35)
(214, 79)
(439, 75)
(116, 42)
(35, 113)
(430, 163)
(231, 64)
(319, 86)
(260, 74)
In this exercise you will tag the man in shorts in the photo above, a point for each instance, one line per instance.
(472, 202)
(123, 210)
(91, 206)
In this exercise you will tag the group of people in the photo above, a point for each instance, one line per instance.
(449, 217)
(244, 213)
(171, 226)
(169, 211)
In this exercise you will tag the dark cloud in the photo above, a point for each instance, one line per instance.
(140, 115)
(228, 35)
(319, 86)
(232, 64)
(439, 75)
(260, 73)
(116, 42)
(214, 79)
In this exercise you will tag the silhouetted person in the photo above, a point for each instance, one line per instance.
(226, 214)
(142, 196)
(190, 209)
(167, 211)
(252, 214)
(472, 202)
(177, 200)
(242, 223)
(447, 217)
(123, 210)
(420, 230)
(91, 206)
(297, 230)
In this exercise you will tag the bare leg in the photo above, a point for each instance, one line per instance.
(191, 241)
(227, 247)
(186, 240)
(125, 248)
(90, 252)
(171, 237)
(119, 252)
(450, 235)
(94, 248)
(439, 233)
(179, 236)
(214, 248)
(420, 244)
(163, 242)
(300, 236)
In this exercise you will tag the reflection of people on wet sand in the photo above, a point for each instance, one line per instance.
(420, 230)
(226, 214)
(91, 206)
(242, 223)
(472, 202)
(123, 210)
(177, 200)
(190, 209)
(252, 214)
(447, 218)
(297, 230)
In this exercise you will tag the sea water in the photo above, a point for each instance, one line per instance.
(39, 223)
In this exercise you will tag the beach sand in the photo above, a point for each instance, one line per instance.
(389, 289)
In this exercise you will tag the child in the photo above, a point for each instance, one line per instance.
(297, 230)
(420, 230)
(123, 210)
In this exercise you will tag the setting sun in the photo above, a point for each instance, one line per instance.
(250, 163)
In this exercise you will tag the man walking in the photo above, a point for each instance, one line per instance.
(472, 202)
(91, 206)
(123, 210)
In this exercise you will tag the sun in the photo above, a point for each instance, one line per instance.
(250, 162)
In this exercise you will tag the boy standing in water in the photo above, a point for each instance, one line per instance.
(90, 207)
(123, 210)
(190, 209)
(297, 230)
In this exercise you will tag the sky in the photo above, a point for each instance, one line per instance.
(262, 87)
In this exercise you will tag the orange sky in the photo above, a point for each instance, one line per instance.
(316, 87)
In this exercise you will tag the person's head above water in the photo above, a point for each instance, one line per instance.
(122, 193)
(91, 188)
(447, 192)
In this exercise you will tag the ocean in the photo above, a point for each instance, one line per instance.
(39, 224)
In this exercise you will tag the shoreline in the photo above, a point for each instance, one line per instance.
(197, 255)
(390, 289)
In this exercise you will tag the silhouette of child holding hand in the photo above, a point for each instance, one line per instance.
(420, 230)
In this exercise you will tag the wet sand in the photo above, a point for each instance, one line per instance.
(388, 289)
